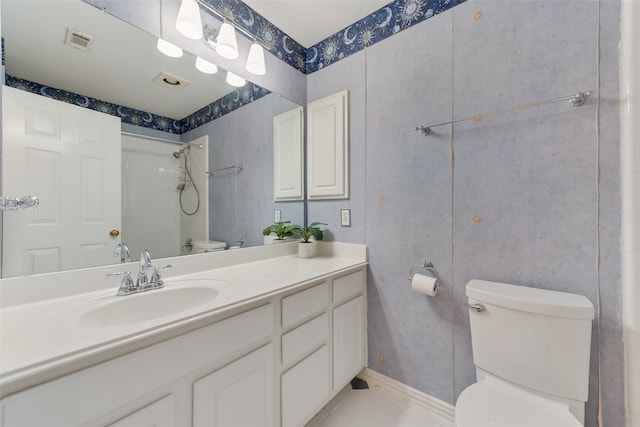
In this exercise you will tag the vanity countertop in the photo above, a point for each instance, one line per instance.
(42, 338)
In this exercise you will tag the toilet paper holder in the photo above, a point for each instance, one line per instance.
(428, 266)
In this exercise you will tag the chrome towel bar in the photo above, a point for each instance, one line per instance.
(574, 100)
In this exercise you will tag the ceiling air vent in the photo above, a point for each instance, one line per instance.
(78, 40)
(169, 80)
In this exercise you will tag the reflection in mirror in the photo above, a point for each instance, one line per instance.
(173, 199)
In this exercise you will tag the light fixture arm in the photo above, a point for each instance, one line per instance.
(231, 21)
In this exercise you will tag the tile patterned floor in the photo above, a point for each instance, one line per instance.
(375, 407)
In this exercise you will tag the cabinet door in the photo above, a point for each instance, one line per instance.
(348, 341)
(160, 413)
(287, 155)
(328, 147)
(239, 394)
(305, 388)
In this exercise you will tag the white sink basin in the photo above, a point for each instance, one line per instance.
(177, 297)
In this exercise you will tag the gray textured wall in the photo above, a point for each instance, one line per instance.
(531, 197)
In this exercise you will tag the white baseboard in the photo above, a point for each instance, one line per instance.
(431, 403)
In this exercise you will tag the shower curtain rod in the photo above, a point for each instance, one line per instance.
(238, 167)
(154, 138)
(574, 100)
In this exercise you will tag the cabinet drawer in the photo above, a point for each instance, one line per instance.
(305, 304)
(348, 286)
(305, 387)
(303, 339)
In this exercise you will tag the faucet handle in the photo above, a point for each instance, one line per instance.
(156, 281)
(142, 281)
(126, 286)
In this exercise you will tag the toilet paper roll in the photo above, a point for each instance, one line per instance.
(424, 284)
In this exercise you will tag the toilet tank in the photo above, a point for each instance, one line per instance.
(532, 337)
(208, 246)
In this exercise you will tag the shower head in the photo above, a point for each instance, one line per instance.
(180, 187)
(178, 153)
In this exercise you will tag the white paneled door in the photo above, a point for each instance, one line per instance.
(69, 157)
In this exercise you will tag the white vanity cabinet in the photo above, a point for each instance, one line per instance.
(306, 379)
(274, 363)
(158, 414)
(156, 385)
(323, 344)
(239, 394)
(349, 328)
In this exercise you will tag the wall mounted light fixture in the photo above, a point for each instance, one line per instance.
(205, 66)
(169, 49)
(189, 22)
(255, 60)
(235, 80)
(227, 43)
(223, 41)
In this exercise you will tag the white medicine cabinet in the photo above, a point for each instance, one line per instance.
(288, 159)
(328, 147)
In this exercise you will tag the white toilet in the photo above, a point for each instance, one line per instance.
(203, 246)
(531, 351)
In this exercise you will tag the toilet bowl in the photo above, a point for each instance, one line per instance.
(208, 246)
(531, 350)
(491, 403)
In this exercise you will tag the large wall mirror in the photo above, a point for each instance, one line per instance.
(183, 177)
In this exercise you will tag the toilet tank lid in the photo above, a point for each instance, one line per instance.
(532, 300)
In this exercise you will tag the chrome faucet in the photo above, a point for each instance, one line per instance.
(145, 264)
(122, 251)
(145, 260)
(143, 283)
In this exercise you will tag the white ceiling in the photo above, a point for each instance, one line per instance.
(120, 67)
(310, 21)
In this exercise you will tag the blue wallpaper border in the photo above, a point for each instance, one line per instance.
(379, 25)
(278, 43)
(232, 101)
(225, 105)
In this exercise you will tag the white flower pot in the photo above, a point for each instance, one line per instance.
(272, 239)
(306, 250)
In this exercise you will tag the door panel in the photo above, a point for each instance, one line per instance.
(69, 157)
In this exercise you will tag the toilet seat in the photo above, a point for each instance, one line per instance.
(493, 403)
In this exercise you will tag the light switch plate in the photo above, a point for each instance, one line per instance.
(345, 217)
(276, 215)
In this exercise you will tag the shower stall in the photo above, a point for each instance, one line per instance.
(164, 195)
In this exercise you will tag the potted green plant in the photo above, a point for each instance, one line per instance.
(281, 229)
(307, 247)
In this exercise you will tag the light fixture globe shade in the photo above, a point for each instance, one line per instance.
(255, 60)
(227, 45)
(189, 23)
(169, 49)
(235, 80)
(205, 66)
